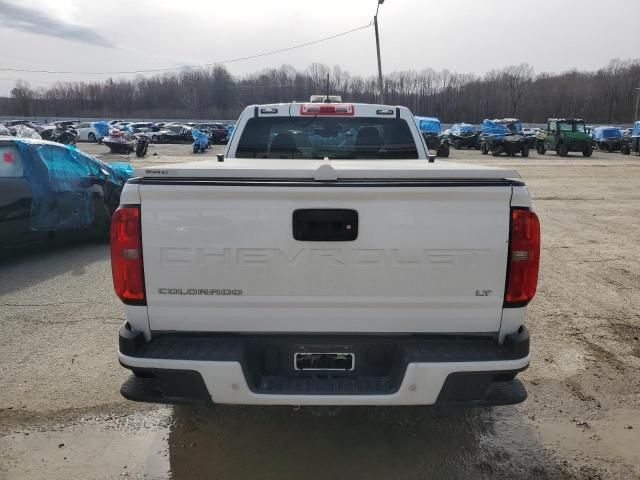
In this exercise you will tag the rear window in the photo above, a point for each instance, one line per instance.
(10, 162)
(333, 137)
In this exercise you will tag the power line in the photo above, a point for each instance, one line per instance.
(157, 70)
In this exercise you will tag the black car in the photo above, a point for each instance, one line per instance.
(171, 134)
(27, 123)
(48, 190)
(217, 131)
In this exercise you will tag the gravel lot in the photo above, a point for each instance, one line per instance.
(61, 415)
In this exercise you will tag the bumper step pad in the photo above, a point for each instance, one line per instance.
(167, 386)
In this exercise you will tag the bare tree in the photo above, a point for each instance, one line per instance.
(604, 95)
(22, 96)
(517, 79)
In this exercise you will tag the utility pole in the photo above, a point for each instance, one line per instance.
(637, 89)
(375, 24)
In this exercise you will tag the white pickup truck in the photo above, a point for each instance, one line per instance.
(325, 259)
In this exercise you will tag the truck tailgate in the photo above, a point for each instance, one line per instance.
(224, 258)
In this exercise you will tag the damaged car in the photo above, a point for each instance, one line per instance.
(49, 190)
(431, 130)
(464, 135)
(608, 139)
(503, 135)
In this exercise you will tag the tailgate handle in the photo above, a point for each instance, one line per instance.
(325, 225)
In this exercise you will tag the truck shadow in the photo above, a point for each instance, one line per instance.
(37, 263)
(372, 443)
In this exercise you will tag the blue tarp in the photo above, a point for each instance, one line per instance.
(429, 124)
(101, 128)
(60, 178)
(121, 170)
(501, 128)
(602, 133)
(200, 139)
(636, 130)
(490, 127)
(459, 129)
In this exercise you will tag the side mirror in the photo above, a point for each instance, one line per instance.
(432, 157)
(220, 157)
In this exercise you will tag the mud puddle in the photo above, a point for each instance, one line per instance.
(282, 443)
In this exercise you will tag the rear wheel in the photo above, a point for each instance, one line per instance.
(484, 148)
(540, 148)
(588, 150)
(625, 150)
(141, 148)
(443, 151)
(525, 150)
(195, 148)
(91, 137)
(102, 222)
(562, 150)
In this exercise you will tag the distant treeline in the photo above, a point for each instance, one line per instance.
(603, 96)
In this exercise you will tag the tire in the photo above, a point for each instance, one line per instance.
(588, 151)
(154, 139)
(540, 148)
(443, 151)
(497, 151)
(484, 148)
(456, 144)
(195, 148)
(91, 137)
(625, 150)
(562, 150)
(141, 149)
(103, 227)
(525, 150)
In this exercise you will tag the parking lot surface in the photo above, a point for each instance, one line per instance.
(62, 417)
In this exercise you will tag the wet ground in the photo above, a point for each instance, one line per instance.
(61, 416)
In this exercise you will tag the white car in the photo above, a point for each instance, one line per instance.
(140, 127)
(87, 132)
(325, 259)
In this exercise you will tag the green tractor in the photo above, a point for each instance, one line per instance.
(564, 135)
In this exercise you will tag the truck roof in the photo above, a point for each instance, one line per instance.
(294, 109)
(247, 168)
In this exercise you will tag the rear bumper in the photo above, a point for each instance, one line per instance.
(421, 370)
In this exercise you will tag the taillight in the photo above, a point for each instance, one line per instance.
(126, 255)
(524, 258)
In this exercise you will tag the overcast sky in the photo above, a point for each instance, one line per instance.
(459, 35)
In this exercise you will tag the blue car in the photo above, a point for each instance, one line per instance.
(607, 138)
(50, 190)
(632, 143)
